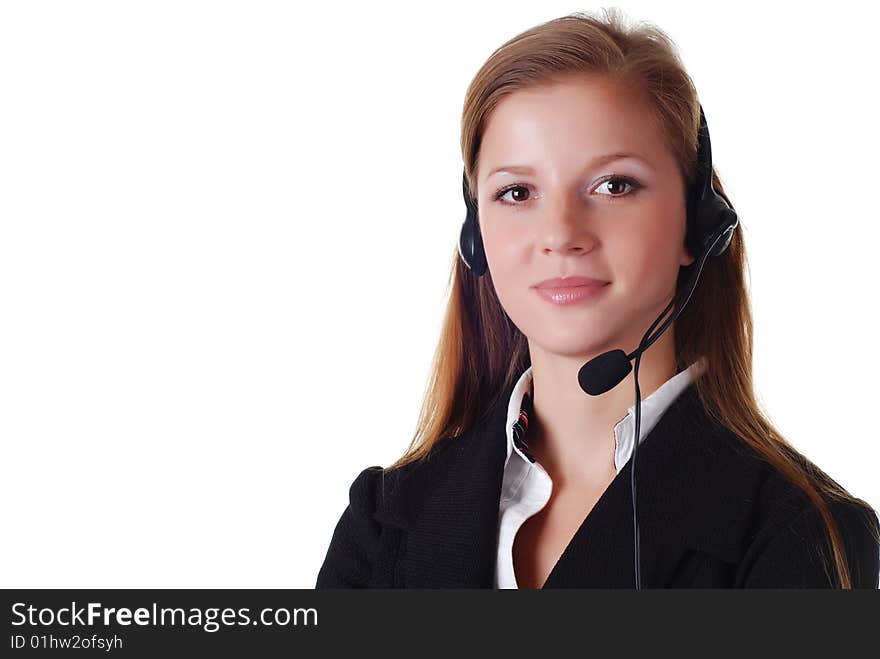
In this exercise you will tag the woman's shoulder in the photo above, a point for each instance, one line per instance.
(375, 486)
(789, 531)
(791, 544)
(375, 503)
(749, 511)
(782, 499)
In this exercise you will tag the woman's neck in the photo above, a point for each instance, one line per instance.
(572, 433)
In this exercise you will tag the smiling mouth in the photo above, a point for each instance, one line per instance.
(565, 295)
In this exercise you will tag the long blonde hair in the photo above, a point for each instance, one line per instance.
(481, 353)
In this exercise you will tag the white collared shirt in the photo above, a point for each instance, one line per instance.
(526, 486)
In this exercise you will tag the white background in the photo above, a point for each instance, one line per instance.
(225, 235)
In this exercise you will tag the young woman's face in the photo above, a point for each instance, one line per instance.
(571, 211)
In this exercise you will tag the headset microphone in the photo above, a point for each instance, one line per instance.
(710, 225)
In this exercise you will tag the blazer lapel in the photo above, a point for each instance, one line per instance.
(689, 496)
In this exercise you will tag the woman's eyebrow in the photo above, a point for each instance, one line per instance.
(597, 162)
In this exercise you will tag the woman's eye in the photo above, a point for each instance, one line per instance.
(518, 192)
(613, 186)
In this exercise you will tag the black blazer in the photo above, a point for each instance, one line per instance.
(711, 515)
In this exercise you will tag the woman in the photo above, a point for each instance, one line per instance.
(584, 152)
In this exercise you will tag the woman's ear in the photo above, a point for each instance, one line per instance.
(686, 257)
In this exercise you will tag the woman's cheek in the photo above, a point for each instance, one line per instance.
(631, 274)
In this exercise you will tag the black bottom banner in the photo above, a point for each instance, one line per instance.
(132, 623)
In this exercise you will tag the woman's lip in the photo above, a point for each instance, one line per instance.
(571, 294)
(570, 282)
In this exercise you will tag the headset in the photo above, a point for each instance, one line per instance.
(711, 222)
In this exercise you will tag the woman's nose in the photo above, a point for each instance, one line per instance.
(565, 226)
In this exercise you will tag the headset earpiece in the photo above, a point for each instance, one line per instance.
(710, 220)
(726, 221)
(470, 243)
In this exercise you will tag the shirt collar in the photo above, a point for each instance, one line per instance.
(519, 409)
